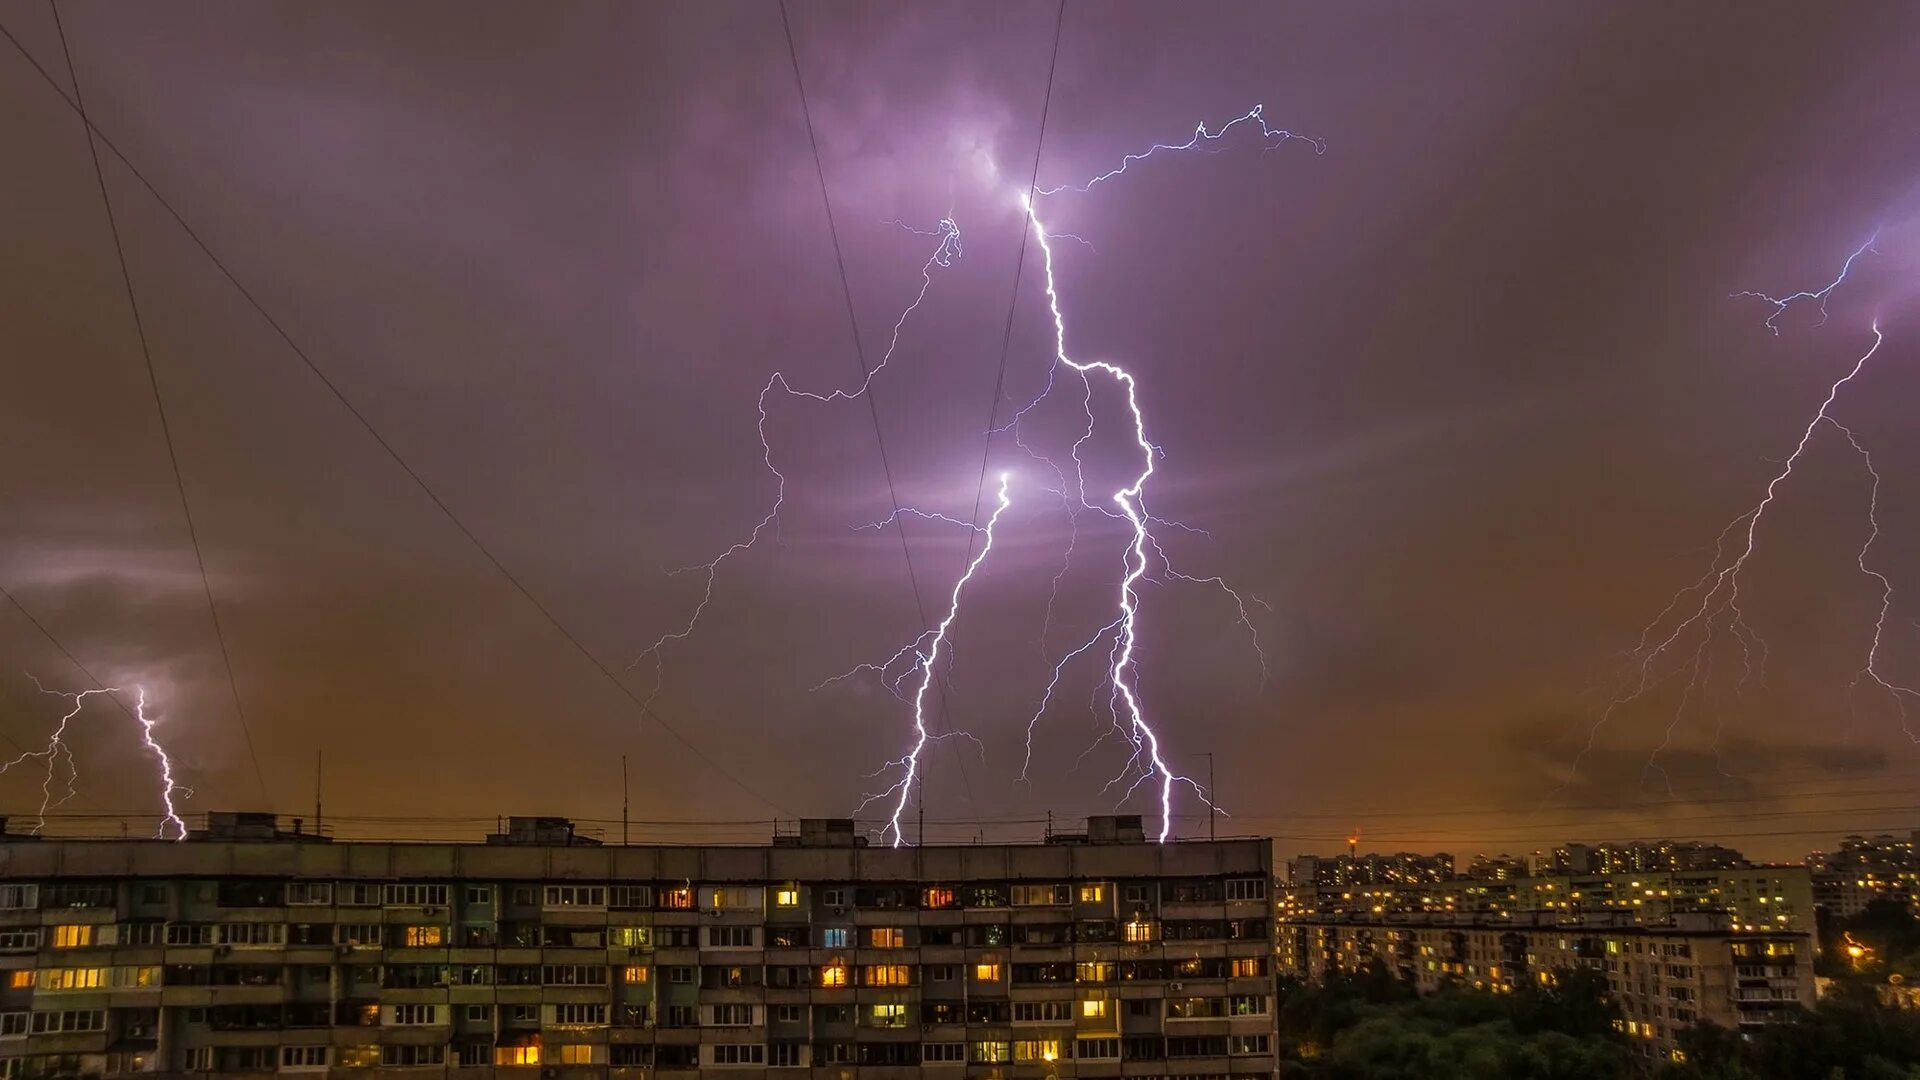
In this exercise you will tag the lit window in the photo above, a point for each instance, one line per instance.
(72, 937)
(1035, 1050)
(517, 1055)
(987, 971)
(577, 1054)
(634, 973)
(787, 896)
(1141, 930)
(833, 975)
(890, 1014)
(1095, 1009)
(883, 937)
(1092, 894)
(888, 975)
(680, 898)
(835, 937)
(425, 936)
(937, 896)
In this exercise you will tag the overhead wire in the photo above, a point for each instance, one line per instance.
(381, 441)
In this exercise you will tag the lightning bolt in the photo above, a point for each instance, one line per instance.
(1712, 602)
(944, 254)
(58, 753)
(924, 662)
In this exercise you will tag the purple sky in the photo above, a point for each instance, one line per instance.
(1464, 399)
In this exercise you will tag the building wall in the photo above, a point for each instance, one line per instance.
(236, 958)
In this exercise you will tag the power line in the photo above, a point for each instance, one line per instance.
(873, 407)
(381, 441)
(159, 404)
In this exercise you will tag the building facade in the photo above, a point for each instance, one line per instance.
(247, 951)
(1664, 978)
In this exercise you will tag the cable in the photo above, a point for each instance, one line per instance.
(380, 440)
(71, 659)
(873, 407)
(159, 404)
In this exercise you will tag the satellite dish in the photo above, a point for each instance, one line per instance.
(1896, 978)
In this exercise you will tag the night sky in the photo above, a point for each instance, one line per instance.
(1464, 399)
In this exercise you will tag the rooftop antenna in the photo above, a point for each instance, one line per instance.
(319, 761)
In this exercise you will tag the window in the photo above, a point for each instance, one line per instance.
(358, 935)
(308, 893)
(75, 978)
(633, 973)
(990, 1053)
(77, 896)
(359, 894)
(834, 897)
(1247, 889)
(19, 897)
(1095, 1008)
(1038, 895)
(574, 975)
(786, 896)
(1137, 931)
(788, 1014)
(987, 971)
(885, 937)
(1032, 1012)
(631, 1055)
(630, 897)
(681, 1016)
(13, 1024)
(189, 934)
(1093, 893)
(20, 939)
(406, 1015)
(523, 1014)
(142, 933)
(580, 1015)
(785, 1056)
(632, 937)
(739, 1054)
(412, 1057)
(890, 1014)
(72, 1020)
(575, 896)
(1097, 1049)
(938, 896)
(730, 937)
(834, 974)
(424, 936)
(678, 899)
(1248, 1044)
(479, 895)
(577, 1054)
(733, 1016)
(300, 1057)
(251, 934)
(1030, 1051)
(20, 980)
(673, 937)
(72, 936)
(886, 975)
(835, 937)
(1247, 1005)
(943, 1053)
(523, 896)
(477, 1014)
(414, 896)
(524, 1054)
(679, 974)
(1135, 894)
(1248, 967)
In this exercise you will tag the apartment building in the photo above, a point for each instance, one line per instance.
(246, 950)
(1748, 898)
(1664, 978)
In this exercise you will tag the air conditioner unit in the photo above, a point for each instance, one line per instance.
(1176, 986)
(839, 911)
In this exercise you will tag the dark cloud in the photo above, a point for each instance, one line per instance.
(1463, 399)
